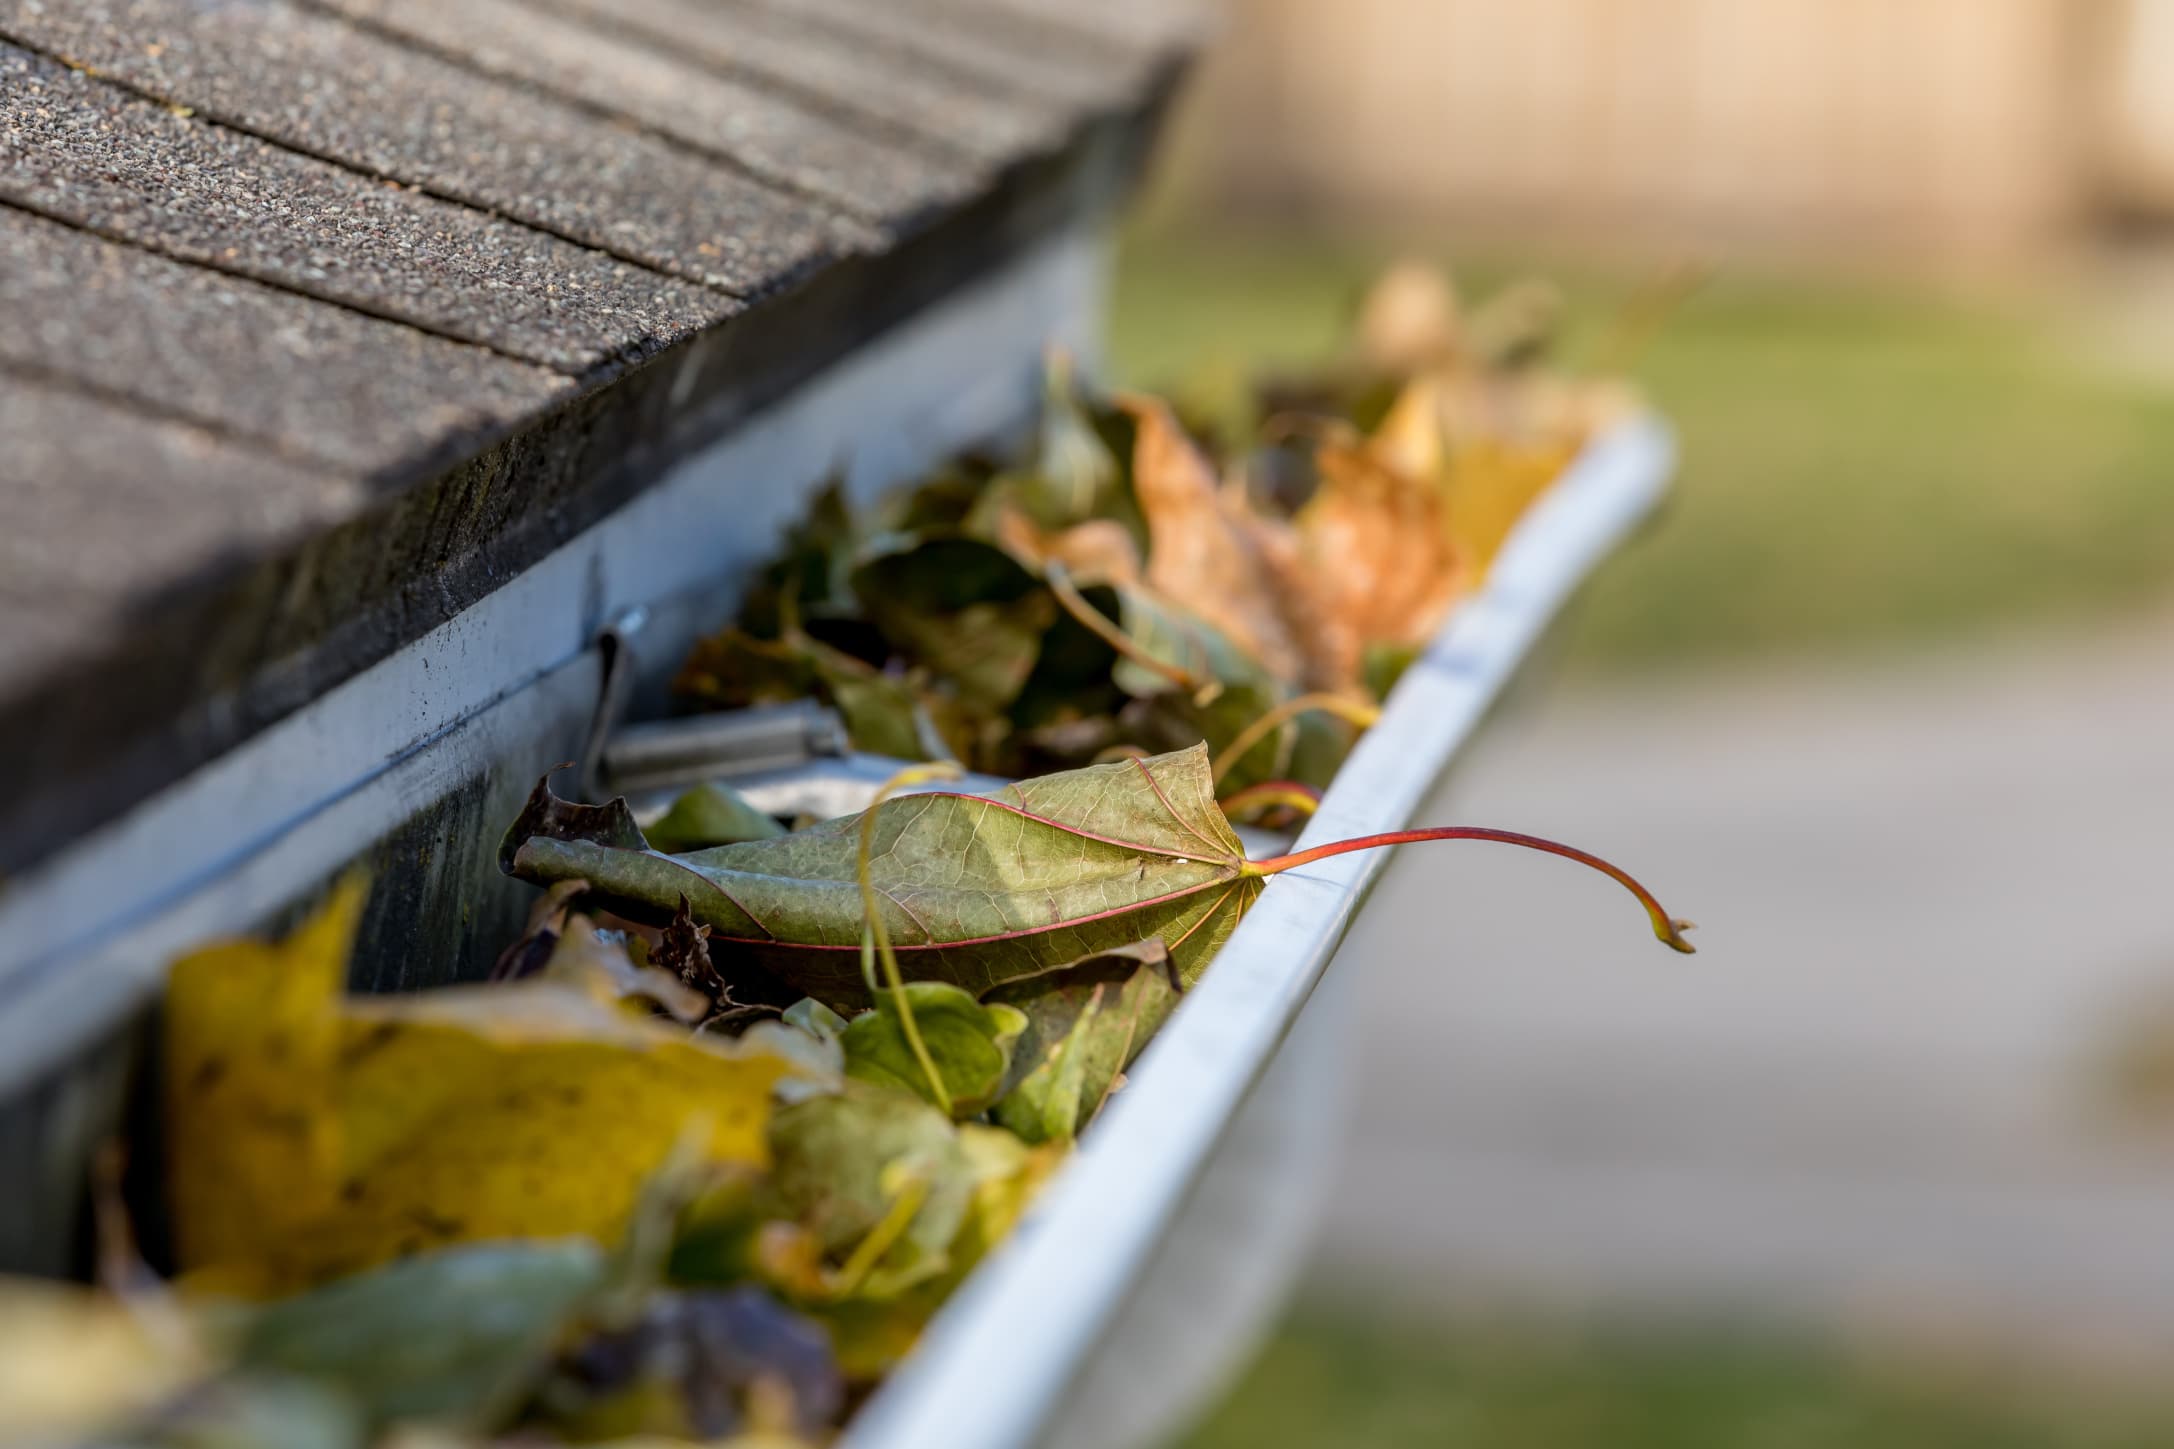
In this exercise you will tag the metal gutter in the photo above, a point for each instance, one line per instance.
(1001, 1367)
(86, 934)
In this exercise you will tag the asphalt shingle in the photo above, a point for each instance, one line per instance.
(82, 150)
(316, 83)
(885, 181)
(306, 378)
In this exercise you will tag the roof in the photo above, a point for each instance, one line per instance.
(324, 316)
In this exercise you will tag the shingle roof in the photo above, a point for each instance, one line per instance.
(306, 298)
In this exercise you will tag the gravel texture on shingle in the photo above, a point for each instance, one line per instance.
(79, 149)
(318, 83)
(884, 181)
(1160, 28)
(102, 507)
(310, 378)
(990, 49)
(852, 81)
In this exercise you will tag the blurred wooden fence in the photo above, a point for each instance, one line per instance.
(1974, 125)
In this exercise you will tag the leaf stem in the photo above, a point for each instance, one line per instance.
(881, 933)
(1305, 799)
(1342, 706)
(1668, 929)
(1099, 624)
(887, 1231)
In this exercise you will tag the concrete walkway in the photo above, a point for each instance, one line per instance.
(1932, 891)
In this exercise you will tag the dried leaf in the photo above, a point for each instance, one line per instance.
(978, 890)
(585, 960)
(546, 919)
(1205, 551)
(314, 1136)
(1385, 566)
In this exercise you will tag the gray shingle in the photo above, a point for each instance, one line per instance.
(103, 508)
(309, 378)
(994, 49)
(316, 83)
(847, 80)
(77, 148)
(882, 180)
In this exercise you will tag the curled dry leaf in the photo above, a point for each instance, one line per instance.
(976, 890)
(1385, 564)
(1209, 554)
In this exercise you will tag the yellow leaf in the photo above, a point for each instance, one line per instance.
(389, 1126)
(1489, 449)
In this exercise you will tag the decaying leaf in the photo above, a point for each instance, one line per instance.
(1206, 552)
(1085, 1024)
(1386, 566)
(314, 1136)
(585, 960)
(977, 890)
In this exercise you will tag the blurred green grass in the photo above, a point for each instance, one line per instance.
(1861, 464)
(1369, 1383)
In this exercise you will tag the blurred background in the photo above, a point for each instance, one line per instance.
(1886, 702)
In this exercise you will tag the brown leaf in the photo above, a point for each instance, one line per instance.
(685, 952)
(1210, 554)
(1099, 551)
(1386, 567)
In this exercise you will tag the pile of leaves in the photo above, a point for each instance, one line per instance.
(1117, 590)
(746, 1103)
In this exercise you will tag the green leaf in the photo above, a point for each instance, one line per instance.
(710, 814)
(1085, 1024)
(453, 1335)
(971, 1045)
(976, 890)
(841, 1164)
